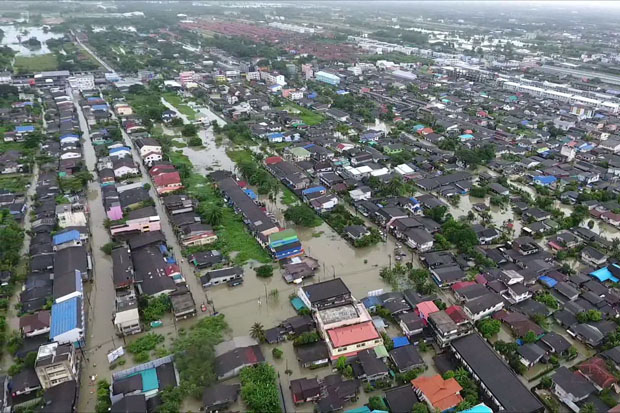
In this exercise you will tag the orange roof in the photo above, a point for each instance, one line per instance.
(356, 333)
(442, 394)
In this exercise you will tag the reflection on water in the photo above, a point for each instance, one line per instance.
(13, 36)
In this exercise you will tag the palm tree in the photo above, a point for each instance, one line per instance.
(257, 332)
(214, 215)
(461, 374)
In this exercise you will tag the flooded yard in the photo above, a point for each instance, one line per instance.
(15, 35)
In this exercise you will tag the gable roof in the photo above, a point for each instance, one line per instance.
(442, 394)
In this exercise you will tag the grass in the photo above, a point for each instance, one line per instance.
(176, 101)
(288, 197)
(27, 64)
(308, 116)
(232, 233)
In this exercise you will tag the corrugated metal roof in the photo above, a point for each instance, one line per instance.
(64, 316)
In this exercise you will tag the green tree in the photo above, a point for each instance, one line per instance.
(546, 382)
(189, 130)
(489, 327)
(195, 141)
(302, 215)
(530, 337)
(420, 408)
(259, 389)
(277, 353)
(377, 403)
(264, 271)
(257, 332)
(195, 355)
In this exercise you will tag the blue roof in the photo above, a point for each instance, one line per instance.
(371, 301)
(548, 281)
(313, 190)
(545, 179)
(400, 341)
(69, 135)
(100, 107)
(414, 200)
(603, 274)
(466, 136)
(312, 95)
(64, 317)
(93, 98)
(122, 148)
(275, 135)
(66, 236)
(342, 92)
(24, 128)
(418, 127)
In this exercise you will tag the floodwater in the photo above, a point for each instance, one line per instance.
(14, 35)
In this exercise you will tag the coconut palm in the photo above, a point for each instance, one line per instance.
(257, 332)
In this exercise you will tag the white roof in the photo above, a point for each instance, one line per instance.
(126, 316)
(380, 172)
(364, 169)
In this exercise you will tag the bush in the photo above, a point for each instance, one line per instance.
(141, 357)
(103, 397)
(264, 271)
(107, 248)
(189, 130)
(277, 353)
(145, 343)
(195, 141)
(306, 338)
(489, 327)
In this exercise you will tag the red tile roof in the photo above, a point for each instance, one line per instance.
(356, 333)
(167, 178)
(457, 314)
(442, 394)
(596, 371)
(426, 308)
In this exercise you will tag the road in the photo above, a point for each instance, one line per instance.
(97, 58)
(100, 304)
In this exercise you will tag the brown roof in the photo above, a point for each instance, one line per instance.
(34, 322)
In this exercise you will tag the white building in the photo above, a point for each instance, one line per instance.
(55, 364)
(82, 82)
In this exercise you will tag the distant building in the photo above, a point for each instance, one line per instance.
(328, 78)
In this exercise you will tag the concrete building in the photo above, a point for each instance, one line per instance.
(55, 364)
(328, 78)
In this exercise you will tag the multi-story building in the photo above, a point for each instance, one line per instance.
(82, 82)
(326, 77)
(127, 317)
(55, 364)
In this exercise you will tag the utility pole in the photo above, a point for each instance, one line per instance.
(390, 258)
(334, 270)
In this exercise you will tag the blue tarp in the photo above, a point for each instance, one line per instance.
(466, 136)
(297, 303)
(548, 281)
(122, 148)
(100, 107)
(603, 274)
(250, 193)
(400, 342)
(371, 302)
(64, 316)
(544, 179)
(312, 95)
(163, 249)
(66, 236)
(313, 190)
(24, 128)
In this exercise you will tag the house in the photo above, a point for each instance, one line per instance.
(197, 234)
(233, 355)
(370, 368)
(596, 371)
(401, 399)
(219, 396)
(349, 340)
(56, 364)
(356, 232)
(406, 358)
(60, 398)
(167, 182)
(483, 306)
(127, 317)
(24, 383)
(499, 383)
(326, 294)
(312, 355)
(593, 256)
(419, 239)
(571, 387)
(411, 324)
(425, 309)
(146, 146)
(530, 354)
(67, 324)
(124, 166)
(221, 276)
(438, 393)
(35, 324)
(555, 343)
(138, 220)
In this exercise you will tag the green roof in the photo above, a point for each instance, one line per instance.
(299, 151)
(278, 236)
